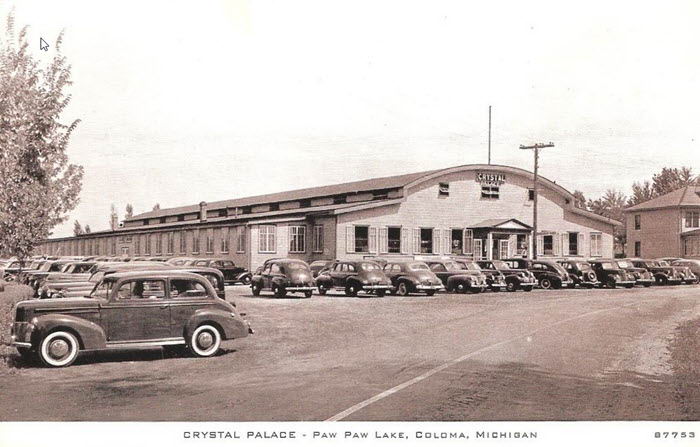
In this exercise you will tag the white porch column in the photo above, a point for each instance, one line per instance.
(489, 246)
(530, 246)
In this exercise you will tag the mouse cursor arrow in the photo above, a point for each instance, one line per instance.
(43, 45)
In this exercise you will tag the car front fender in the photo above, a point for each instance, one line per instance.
(91, 335)
(231, 326)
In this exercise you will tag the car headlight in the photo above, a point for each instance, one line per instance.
(364, 281)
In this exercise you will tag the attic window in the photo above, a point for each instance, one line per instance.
(305, 203)
(274, 207)
(180, 217)
(340, 199)
(223, 213)
(245, 210)
(444, 189)
(162, 219)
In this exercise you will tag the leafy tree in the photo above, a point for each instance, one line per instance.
(113, 218)
(87, 229)
(579, 199)
(156, 207)
(129, 211)
(669, 179)
(77, 229)
(38, 187)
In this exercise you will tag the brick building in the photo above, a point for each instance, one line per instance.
(483, 211)
(667, 226)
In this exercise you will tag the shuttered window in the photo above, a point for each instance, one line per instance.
(384, 240)
(373, 240)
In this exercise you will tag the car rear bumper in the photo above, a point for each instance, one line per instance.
(644, 281)
(376, 287)
(624, 283)
(424, 288)
(498, 284)
(590, 283)
(300, 289)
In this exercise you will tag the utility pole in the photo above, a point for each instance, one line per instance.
(489, 134)
(536, 147)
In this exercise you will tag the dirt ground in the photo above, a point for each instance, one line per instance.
(545, 355)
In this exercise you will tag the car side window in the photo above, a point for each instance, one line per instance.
(227, 263)
(437, 268)
(217, 264)
(351, 268)
(213, 279)
(275, 269)
(141, 289)
(201, 263)
(187, 288)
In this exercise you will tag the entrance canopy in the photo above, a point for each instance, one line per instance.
(511, 225)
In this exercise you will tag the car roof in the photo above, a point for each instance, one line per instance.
(154, 274)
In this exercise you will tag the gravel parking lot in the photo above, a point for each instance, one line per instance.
(544, 355)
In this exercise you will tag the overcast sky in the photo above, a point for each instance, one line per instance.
(188, 101)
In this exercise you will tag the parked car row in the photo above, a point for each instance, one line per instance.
(401, 277)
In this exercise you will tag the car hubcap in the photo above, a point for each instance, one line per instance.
(205, 340)
(58, 349)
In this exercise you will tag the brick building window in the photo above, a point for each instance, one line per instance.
(318, 239)
(240, 240)
(183, 242)
(224, 239)
(159, 244)
(637, 249)
(267, 239)
(637, 222)
(195, 242)
(297, 239)
(171, 243)
(210, 241)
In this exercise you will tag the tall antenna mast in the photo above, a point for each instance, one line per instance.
(489, 134)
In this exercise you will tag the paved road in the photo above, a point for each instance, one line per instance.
(556, 355)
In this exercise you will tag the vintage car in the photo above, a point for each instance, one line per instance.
(282, 276)
(412, 277)
(662, 274)
(319, 266)
(549, 274)
(459, 277)
(642, 276)
(686, 274)
(132, 309)
(515, 278)
(353, 277)
(610, 275)
(75, 271)
(692, 264)
(581, 273)
(11, 268)
(81, 287)
(495, 280)
(232, 273)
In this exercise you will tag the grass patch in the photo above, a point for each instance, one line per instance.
(685, 360)
(12, 294)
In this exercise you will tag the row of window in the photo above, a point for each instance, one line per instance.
(691, 220)
(366, 239)
(267, 239)
(488, 191)
(196, 240)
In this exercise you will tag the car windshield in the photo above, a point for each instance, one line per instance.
(453, 266)
(500, 265)
(418, 266)
(653, 264)
(67, 268)
(369, 266)
(296, 266)
(472, 266)
(558, 268)
(608, 265)
(583, 266)
(97, 276)
(35, 265)
(625, 264)
(664, 264)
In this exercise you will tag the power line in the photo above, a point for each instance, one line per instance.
(536, 147)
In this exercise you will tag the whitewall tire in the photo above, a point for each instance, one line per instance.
(59, 349)
(205, 341)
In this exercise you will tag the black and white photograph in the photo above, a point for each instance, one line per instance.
(432, 223)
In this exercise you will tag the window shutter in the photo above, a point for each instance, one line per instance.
(580, 244)
(290, 231)
(416, 240)
(540, 245)
(467, 241)
(436, 241)
(447, 241)
(565, 244)
(350, 239)
(405, 240)
(383, 240)
(512, 245)
(373, 239)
